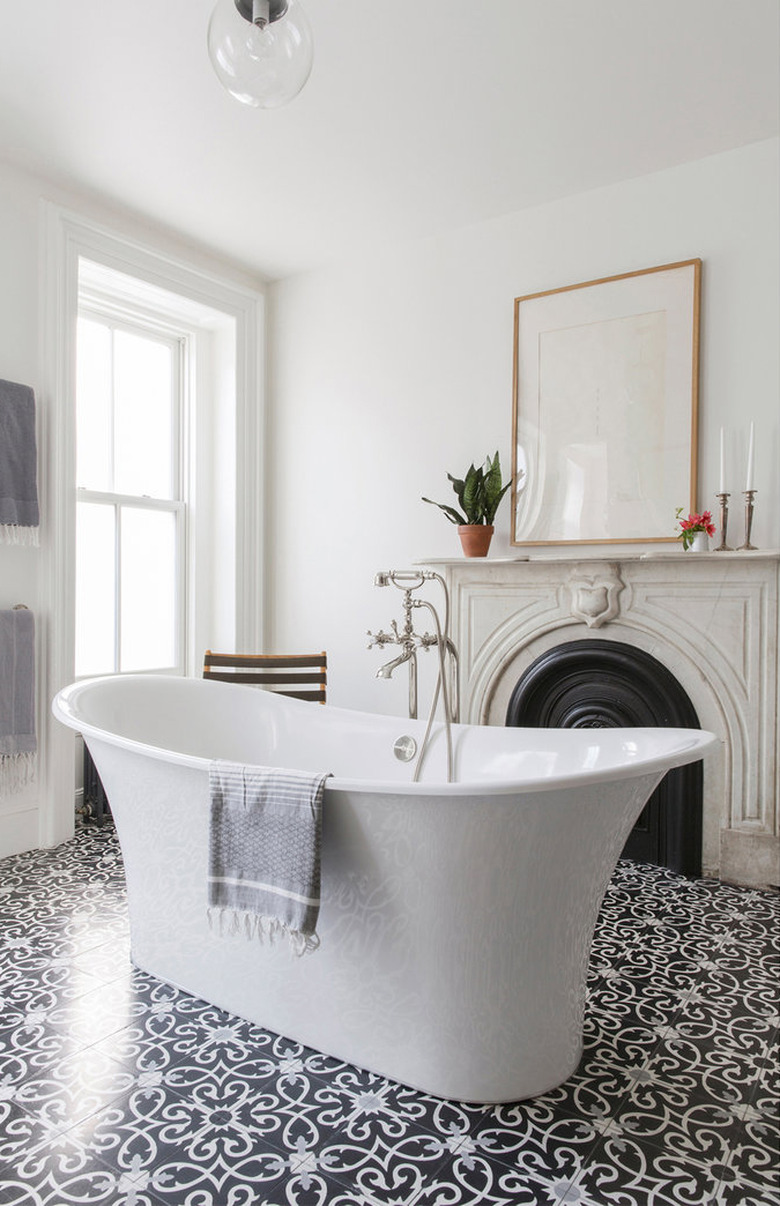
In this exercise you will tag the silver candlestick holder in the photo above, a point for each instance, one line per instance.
(723, 547)
(749, 496)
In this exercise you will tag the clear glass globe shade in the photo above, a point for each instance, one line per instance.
(262, 67)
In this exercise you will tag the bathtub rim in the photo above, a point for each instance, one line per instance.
(696, 744)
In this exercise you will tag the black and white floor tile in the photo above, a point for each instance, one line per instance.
(118, 1089)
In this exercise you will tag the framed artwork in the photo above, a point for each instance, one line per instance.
(605, 411)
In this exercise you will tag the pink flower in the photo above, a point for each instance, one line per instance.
(695, 523)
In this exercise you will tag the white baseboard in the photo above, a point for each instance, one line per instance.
(19, 831)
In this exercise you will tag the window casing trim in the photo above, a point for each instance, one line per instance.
(67, 238)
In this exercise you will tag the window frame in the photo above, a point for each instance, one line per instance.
(138, 319)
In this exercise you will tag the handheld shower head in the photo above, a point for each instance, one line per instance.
(414, 578)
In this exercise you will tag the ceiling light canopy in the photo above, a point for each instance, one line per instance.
(261, 50)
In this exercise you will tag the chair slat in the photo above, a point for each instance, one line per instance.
(265, 678)
(265, 660)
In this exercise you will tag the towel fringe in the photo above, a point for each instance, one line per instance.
(234, 923)
(16, 771)
(16, 533)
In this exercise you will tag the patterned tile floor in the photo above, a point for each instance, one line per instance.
(115, 1088)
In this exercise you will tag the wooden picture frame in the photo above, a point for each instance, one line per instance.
(605, 408)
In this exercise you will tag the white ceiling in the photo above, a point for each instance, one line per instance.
(417, 117)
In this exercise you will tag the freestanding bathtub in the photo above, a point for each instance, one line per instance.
(456, 919)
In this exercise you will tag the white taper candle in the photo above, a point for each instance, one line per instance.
(751, 453)
(722, 464)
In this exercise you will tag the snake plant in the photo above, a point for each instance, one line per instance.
(478, 494)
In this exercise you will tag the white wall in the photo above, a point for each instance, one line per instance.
(26, 818)
(389, 372)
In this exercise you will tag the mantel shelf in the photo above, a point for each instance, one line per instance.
(590, 554)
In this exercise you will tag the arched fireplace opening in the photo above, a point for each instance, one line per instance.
(609, 684)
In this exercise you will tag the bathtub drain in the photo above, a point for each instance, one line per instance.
(405, 748)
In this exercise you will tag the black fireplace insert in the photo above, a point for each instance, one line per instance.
(610, 684)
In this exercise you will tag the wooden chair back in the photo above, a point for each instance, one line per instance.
(301, 675)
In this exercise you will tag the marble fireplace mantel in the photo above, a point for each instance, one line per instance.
(710, 618)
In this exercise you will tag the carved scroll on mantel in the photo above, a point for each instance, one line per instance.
(712, 619)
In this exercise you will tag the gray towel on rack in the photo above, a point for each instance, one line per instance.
(19, 516)
(18, 745)
(264, 852)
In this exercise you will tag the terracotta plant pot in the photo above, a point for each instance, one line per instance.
(475, 538)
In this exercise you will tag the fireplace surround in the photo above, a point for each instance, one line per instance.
(710, 619)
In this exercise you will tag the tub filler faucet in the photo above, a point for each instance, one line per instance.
(410, 641)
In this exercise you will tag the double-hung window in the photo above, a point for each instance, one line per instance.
(131, 510)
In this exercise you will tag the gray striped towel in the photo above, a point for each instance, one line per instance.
(18, 744)
(264, 852)
(19, 515)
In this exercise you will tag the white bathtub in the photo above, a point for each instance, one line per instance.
(456, 919)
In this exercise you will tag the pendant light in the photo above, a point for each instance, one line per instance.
(261, 50)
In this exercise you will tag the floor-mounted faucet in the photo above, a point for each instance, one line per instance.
(406, 637)
(410, 641)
